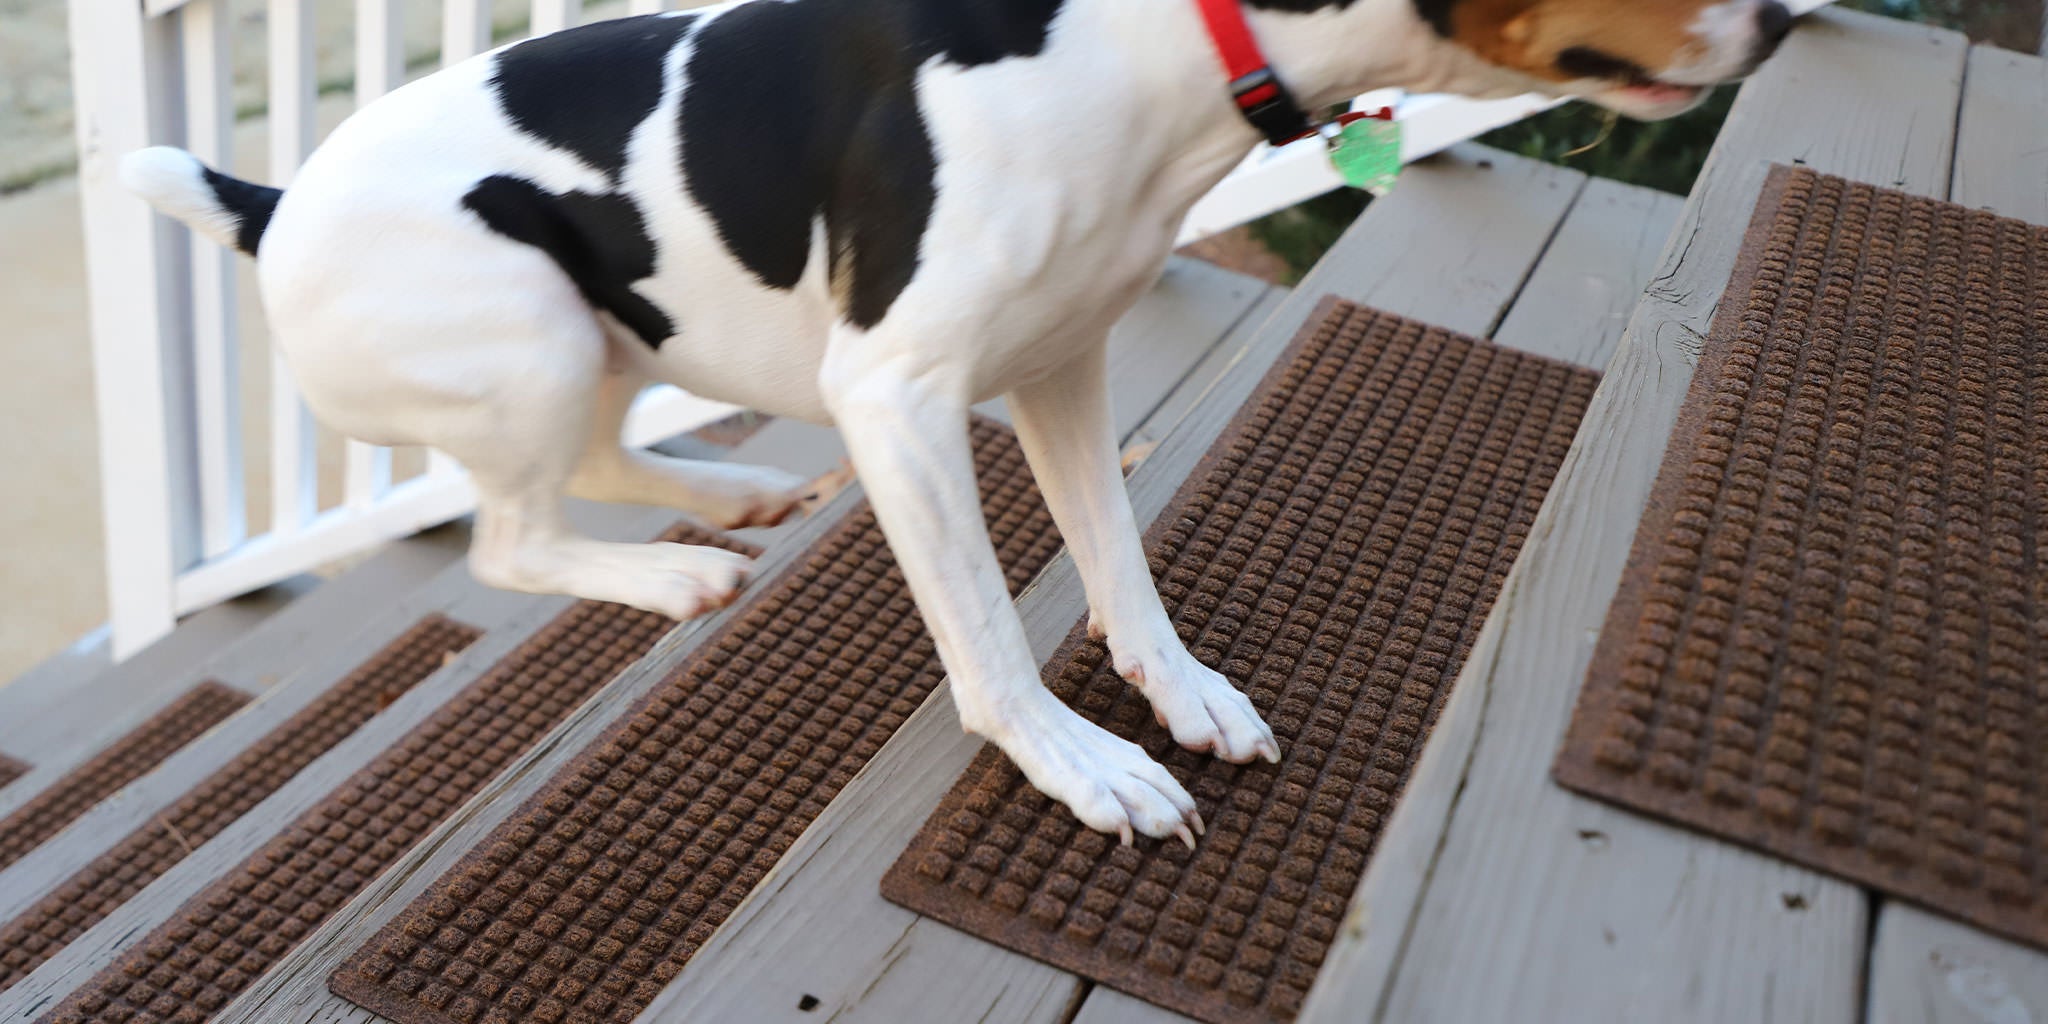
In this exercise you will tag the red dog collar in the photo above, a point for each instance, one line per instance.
(1260, 95)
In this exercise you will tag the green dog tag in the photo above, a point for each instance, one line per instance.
(1367, 153)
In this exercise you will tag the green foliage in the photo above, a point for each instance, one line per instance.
(1300, 235)
(1664, 155)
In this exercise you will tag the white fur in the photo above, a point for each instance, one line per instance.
(1062, 181)
(172, 181)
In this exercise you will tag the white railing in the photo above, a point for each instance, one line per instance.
(166, 342)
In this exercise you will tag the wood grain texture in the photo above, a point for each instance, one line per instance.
(812, 913)
(1108, 1006)
(1496, 895)
(1592, 276)
(509, 619)
(1926, 968)
(57, 719)
(2002, 143)
(1193, 307)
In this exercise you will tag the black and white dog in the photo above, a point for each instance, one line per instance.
(868, 213)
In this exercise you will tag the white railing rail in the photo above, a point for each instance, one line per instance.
(166, 343)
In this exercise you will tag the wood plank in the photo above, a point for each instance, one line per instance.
(134, 921)
(1108, 1006)
(813, 918)
(1926, 968)
(310, 647)
(1497, 895)
(2002, 145)
(1193, 306)
(1580, 298)
(56, 721)
(1183, 400)
(1454, 243)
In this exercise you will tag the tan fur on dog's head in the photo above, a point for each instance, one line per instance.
(1644, 57)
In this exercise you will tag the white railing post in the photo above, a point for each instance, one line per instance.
(553, 15)
(216, 360)
(120, 60)
(294, 459)
(465, 32)
(380, 68)
(465, 29)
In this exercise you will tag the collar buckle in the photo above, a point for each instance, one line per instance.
(1267, 104)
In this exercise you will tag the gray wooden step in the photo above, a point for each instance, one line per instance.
(1191, 294)
(69, 709)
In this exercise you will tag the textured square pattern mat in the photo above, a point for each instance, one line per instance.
(11, 769)
(1335, 555)
(100, 887)
(223, 939)
(1832, 638)
(597, 891)
(129, 758)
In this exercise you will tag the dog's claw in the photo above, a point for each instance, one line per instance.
(1195, 819)
(1270, 750)
(1125, 832)
(1185, 836)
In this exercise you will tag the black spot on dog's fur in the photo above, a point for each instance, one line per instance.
(600, 241)
(251, 205)
(795, 111)
(1586, 62)
(1437, 13)
(586, 89)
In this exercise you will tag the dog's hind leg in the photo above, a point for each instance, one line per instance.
(521, 440)
(726, 495)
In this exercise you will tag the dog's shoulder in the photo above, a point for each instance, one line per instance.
(798, 110)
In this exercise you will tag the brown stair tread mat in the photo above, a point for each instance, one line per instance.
(1832, 638)
(598, 889)
(11, 770)
(1334, 554)
(129, 758)
(222, 939)
(100, 887)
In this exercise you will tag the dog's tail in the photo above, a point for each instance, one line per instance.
(228, 210)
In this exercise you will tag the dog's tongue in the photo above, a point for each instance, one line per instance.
(1659, 92)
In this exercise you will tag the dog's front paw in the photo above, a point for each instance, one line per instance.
(1110, 784)
(1194, 702)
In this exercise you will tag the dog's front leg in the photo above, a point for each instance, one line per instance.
(907, 433)
(1064, 423)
